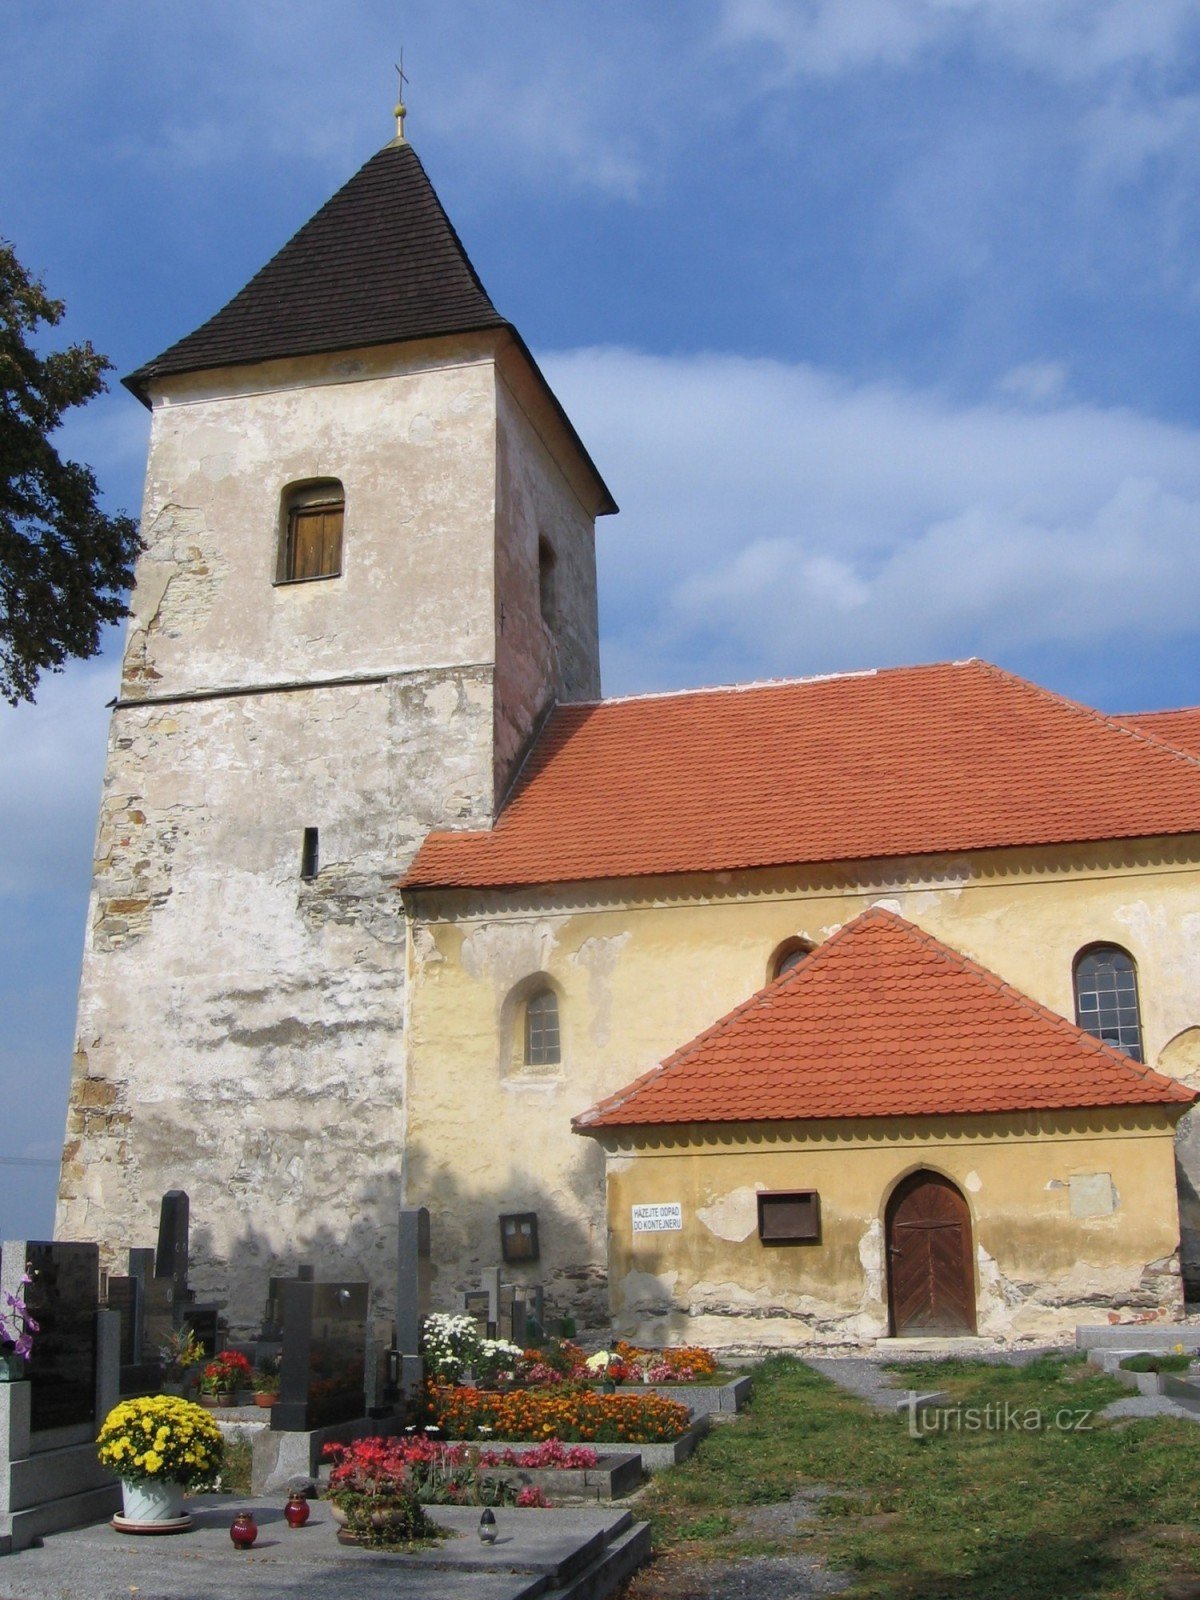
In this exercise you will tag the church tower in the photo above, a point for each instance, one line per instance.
(369, 570)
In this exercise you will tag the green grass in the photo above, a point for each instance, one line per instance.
(1032, 1509)
(235, 1471)
(1157, 1363)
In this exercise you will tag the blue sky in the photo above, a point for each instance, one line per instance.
(881, 318)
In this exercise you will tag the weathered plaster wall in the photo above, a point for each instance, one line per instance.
(1071, 1217)
(641, 968)
(241, 1030)
(537, 499)
(411, 435)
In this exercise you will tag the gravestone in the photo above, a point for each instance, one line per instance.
(63, 1297)
(405, 1368)
(322, 1370)
(171, 1258)
(122, 1295)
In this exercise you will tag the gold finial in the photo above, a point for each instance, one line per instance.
(401, 110)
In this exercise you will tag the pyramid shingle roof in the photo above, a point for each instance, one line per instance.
(912, 761)
(379, 262)
(883, 1020)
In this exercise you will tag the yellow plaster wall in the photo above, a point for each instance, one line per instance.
(641, 968)
(1048, 1250)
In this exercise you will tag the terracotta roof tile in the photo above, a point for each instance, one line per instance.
(1180, 728)
(917, 760)
(883, 1020)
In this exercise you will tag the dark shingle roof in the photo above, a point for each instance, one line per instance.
(380, 262)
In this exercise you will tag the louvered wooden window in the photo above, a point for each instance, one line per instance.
(312, 541)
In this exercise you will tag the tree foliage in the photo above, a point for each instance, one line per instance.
(64, 564)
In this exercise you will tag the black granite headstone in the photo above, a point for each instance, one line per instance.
(171, 1258)
(295, 1311)
(122, 1297)
(63, 1298)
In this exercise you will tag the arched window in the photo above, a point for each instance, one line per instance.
(547, 596)
(310, 541)
(788, 956)
(542, 1045)
(1106, 997)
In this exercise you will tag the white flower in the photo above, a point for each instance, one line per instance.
(598, 1361)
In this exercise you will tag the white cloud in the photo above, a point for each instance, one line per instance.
(1035, 381)
(50, 778)
(779, 520)
(1069, 38)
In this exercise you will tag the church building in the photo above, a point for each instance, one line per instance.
(773, 1014)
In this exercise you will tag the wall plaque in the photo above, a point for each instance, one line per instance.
(664, 1218)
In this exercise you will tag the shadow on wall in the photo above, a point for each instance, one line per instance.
(465, 1207)
(465, 1211)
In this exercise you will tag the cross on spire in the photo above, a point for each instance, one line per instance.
(401, 109)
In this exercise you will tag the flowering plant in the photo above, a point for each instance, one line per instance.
(555, 1362)
(450, 1344)
(265, 1377)
(225, 1373)
(571, 1411)
(160, 1437)
(496, 1359)
(180, 1350)
(550, 1453)
(17, 1327)
(680, 1364)
(382, 1484)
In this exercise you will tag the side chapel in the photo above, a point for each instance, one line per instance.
(778, 1013)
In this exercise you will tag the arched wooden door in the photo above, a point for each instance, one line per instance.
(931, 1269)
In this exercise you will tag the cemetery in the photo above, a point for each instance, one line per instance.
(466, 1443)
(485, 1453)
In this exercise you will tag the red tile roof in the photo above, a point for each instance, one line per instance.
(1180, 728)
(883, 1020)
(913, 761)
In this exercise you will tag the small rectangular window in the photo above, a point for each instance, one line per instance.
(789, 1217)
(519, 1236)
(310, 540)
(310, 859)
(314, 542)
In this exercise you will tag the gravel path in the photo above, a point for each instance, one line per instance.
(860, 1375)
(751, 1578)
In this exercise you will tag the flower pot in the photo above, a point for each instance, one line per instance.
(155, 1500)
(265, 1400)
(172, 1386)
(12, 1368)
(338, 1515)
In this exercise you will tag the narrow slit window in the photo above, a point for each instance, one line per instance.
(310, 855)
(311, 545)
(547, 583)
